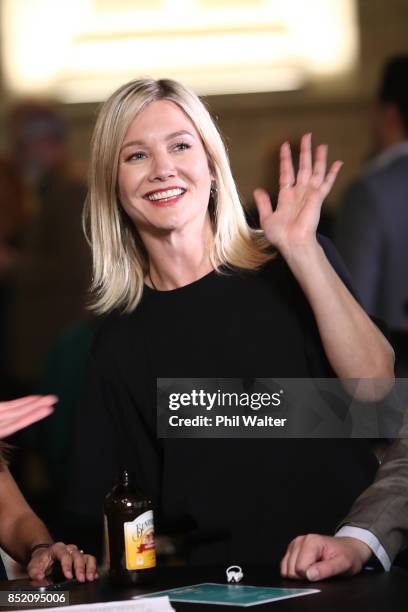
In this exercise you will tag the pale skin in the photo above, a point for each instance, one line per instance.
(176, 238)
(315, 557)
(354, 346)
(19, 413)
(20, 527)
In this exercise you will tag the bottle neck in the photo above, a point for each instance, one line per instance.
(125, 479)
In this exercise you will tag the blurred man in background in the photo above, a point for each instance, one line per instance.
(372, 227)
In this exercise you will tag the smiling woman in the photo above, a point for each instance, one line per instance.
(162, 138)
(193, 292)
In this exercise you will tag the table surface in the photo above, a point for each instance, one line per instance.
(368, 592)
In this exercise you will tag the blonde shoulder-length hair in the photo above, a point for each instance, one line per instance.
(120, 261)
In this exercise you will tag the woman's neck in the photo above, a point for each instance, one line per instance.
(177, 259)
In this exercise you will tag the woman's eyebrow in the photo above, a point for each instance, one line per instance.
(139, 143)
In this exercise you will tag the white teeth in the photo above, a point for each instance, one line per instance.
(163, 195)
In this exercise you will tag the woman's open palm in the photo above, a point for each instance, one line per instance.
(297, 214)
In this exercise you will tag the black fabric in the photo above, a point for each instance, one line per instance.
(3, 575)
(240, 500)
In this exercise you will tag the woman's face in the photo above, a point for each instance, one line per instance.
(164, 180)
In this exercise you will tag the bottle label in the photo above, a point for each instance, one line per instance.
(139, 542)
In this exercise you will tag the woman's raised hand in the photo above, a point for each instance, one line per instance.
(297, 214)
(19, 413)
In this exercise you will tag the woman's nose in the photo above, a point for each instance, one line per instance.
(162, 167)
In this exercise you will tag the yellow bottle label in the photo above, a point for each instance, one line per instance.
(139, 542)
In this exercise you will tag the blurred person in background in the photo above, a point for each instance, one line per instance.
(50, 282)
(22, 534)
(372, 227)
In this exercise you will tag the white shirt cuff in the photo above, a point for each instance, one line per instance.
(368, 538)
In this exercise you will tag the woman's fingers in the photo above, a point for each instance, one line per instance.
(263, 203)
(24, 405)
(80, 566)
(40, 563)
(309, 174)
(287, 173)
(65, 555)
(298, 208)
(305, 160)
(10, 426)
(16, 414)
(90, 565)
(74, 563)
(17, 403)
(84, 566)
(319, 167)
(330, 178)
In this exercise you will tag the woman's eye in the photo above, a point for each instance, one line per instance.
(181, 146)
(136, 156)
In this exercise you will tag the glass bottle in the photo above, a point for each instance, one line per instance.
(129, 534)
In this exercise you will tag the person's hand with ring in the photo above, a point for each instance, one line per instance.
(297, 214)
(74, 562)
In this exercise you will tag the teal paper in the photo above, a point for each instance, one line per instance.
(230, 595)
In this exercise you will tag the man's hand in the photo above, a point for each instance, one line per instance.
(316, 557)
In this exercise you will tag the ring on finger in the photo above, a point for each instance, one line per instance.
(287, 185)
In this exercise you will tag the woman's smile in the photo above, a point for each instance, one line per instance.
(166, 196)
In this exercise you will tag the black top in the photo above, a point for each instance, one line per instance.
(3, 575)
(237, 324)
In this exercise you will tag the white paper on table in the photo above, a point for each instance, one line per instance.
(153, 604)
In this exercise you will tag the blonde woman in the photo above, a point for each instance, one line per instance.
(191, 291)
(22, 534)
